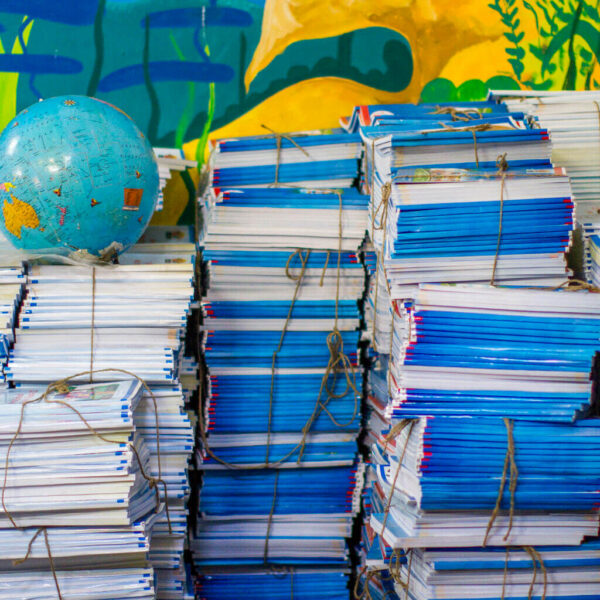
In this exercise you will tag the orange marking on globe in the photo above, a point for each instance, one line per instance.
(94, 202)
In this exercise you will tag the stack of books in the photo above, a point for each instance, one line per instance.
(169, 160)
(12, 281)
(113, 322)
(163, 244)
(462, 204)
(495, 352)
(302, 583)
(573, 120)
(473, 385)
(595, 260)
(310, 159)
(489, 383)
(281, 323)
(77, 508)
(251, 218)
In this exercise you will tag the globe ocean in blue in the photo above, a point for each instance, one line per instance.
(75, 174)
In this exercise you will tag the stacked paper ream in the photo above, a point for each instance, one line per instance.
(595, 260)
(436, 216)
(306, 583)
(285, 500)
(573, 120)
(464, 369)
(11, 290)
(75, 507)
(139, 315)
(163, 244)
(169, 160)
(312, 160)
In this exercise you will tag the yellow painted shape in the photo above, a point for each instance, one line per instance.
(435, 29)
(175, 199)
(311, 104)
(467, 64)
(19, 214)
(9, 81)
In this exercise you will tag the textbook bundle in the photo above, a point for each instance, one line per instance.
(370, 371)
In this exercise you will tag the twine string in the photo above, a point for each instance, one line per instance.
(509, 459)
(366, 592)
(61, 387)
(278, 137)
(410, 425)
(462, 114)
(396, 570)
(505, 575)
(386, 192)
(270, 519)
(19, 561)
(502, 165)
(533, 557)
(298, 279)
(339, 363)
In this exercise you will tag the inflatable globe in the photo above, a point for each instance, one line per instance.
(76, 174)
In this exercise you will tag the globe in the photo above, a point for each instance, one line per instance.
(76, 174)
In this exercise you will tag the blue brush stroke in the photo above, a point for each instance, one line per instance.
(77, 12)
(199, 49)
(210, 16)
(2, 28)
(21, 34)
(166, 70)
(38, 64)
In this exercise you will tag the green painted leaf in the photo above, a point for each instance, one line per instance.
(438, 90)
(537, 52)
(557, 42)
(502, 82)
(518, 53)
(473, 89)
(591, 35)
(517, 66)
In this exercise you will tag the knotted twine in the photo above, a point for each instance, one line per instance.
(386, 193)
(394, 564)
(396, 431)
(509, 459)
(396, 570)
(366, 592)
(338, 361)
(535, 558)
(462, 114)
(278, 137)
(61, 387)
(502, 165)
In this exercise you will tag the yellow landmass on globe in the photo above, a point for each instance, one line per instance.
(18, 214)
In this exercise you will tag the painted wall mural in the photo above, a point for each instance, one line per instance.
(191, 70)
